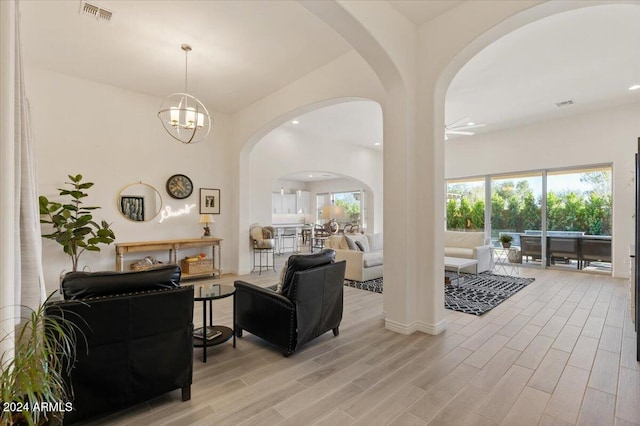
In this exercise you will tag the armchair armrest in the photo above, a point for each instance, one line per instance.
(349, 256)
(266, 314)
(483, 255)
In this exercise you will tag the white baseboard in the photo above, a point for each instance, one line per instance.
(397, 327)
(406, 329)
(433, 329)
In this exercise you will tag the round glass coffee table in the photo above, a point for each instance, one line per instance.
(211, 335)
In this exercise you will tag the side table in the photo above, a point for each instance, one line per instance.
(207, 293)
(502, 261)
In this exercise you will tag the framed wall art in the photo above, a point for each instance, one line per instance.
(132, 207)
(209, 201)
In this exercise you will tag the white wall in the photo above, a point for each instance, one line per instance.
(608, 136)
(112, 137)
(290, 186)
(284, 151)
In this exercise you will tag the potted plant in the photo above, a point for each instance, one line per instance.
(505, 239)
(32, 387)
(73, 225)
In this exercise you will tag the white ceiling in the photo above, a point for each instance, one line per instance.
(242, 50)
(590, 55)
(245, 50)
(311, 176)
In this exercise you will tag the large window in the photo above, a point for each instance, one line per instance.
(557, 218)
(579, 201)
(465, 205)
(515, 205)
(346, 207)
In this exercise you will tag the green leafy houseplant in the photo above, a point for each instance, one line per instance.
(32, 388)
(505, 239)
(73, 224)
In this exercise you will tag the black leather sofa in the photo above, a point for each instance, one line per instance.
(137, 342)
(309, 305)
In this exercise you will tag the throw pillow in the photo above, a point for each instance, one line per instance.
(256, 233)
(343, 244)
(364, 242)
(351, 242)
(283, 273)
(375, 242)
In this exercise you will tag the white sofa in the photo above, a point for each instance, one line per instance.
(468, 245)
(362, 265)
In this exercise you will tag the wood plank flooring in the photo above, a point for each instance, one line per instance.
(561, 351)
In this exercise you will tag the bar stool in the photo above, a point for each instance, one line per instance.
(263, 244)
(289, 234)
(264, 252)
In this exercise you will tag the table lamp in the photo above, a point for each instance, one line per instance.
(207, 219)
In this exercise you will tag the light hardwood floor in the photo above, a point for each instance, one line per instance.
(561, 351)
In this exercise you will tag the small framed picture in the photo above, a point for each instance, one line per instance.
(209, 201)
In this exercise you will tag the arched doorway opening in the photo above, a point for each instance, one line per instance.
(341, 137)
(552, 130)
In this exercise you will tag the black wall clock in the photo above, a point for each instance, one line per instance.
(179, 186)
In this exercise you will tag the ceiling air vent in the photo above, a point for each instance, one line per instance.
(565, 103)
(91, 9)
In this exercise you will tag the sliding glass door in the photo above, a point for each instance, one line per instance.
(579, 218)
(555, 218)
(516, 211)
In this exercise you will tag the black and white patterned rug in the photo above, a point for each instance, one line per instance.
(477, 295)
(371, 285)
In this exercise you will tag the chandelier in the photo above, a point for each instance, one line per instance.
(183, 116)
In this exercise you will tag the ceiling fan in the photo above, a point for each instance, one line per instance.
(461, 127)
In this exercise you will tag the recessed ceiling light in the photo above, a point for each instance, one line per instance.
(310, 175)
(471, 123)
(635, 87)
(377, 144)
(295, 122)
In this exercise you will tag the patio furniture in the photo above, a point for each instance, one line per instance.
(531, 247)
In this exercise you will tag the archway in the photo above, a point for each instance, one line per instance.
(559, 66)
(279, 149)
(455, 60)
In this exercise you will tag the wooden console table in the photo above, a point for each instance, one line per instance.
(174, 246)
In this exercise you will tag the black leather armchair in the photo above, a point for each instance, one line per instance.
(137, 343)
(310, 303)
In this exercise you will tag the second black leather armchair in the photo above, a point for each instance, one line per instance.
(311, 303)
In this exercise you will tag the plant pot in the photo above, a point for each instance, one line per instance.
(506, 245)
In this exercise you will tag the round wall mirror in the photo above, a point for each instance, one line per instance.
(139, 202)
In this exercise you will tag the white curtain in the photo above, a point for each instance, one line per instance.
(30, 289)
